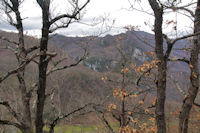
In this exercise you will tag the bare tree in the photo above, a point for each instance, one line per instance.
(190, 96)
(163, 57)
(194, 76)
(16, 21)
(43, 63)
(49, 25)
(162, 66)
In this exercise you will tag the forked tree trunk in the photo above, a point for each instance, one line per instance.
(194, 76)
(21, 55)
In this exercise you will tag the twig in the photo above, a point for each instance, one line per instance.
(14, 114)
(67, 66)
(8, 40)
(179, 59)
(26, 62)
(6, 122)
(73, 16)
(55, 121)
(198, 105)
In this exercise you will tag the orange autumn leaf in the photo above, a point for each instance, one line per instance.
(111, 106)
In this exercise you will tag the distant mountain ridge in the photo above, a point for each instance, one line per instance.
(134, 43)
(103, 55)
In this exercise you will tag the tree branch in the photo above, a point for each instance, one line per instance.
(55, 121)
(170, 42)
(26, 62)
(178, 87)
(5, 76)
(179, 59)
(184, 37)
(6, 122)
(72, 16)
(198, 105)
(184, 8)
(9, 48)
(139, 92)
(106, 122)
(14, 114)
(32, 88)
(59, 61)
(67, 66)
(8, 40)
(169, 46)
(139, 79)
(32, 49)
(65, 25)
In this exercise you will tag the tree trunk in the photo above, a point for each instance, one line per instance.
(161, 94)
(162, 67)
(123, 110)
(194, 77)
(42, 68)
(21, 55)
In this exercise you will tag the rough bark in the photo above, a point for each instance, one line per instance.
(24, 122)
(194, 77)
(44, 60)
(21, 55)
(42, 66)
(162, 67)
(123, 104)
(27, 123)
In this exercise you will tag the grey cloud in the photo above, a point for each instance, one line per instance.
(6, 26)
(29, 24)
(33, 23)
(33, 26)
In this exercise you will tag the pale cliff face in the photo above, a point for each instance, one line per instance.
(139, 55)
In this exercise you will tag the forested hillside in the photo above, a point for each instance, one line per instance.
(129, 81)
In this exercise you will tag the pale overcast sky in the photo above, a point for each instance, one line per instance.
(115, 10)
